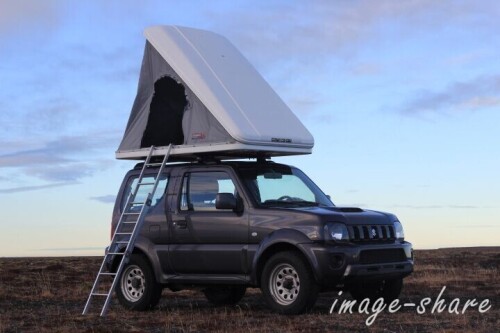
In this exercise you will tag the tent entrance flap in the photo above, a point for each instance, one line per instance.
(199, 93)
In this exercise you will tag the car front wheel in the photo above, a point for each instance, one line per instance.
(137, 288)
(287, 284)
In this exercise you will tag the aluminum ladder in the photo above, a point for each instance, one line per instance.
(122, 239)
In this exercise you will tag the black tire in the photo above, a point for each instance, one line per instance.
(389, 290)
(288, 285)
(224, 295)
(137, 288)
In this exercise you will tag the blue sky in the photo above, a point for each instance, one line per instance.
(402, 97)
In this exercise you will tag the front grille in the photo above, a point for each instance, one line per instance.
(381, 256)
(372, 233)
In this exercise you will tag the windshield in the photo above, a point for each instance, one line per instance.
(282, 186)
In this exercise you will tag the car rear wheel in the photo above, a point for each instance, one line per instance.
(287, 284)
(137, 288)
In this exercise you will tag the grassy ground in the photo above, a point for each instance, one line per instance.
(48, 295)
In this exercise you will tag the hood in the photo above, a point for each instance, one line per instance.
(349, 215)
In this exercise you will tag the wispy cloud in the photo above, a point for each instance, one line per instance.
(482, 92)
(65, 249)
(480, 226)
(34, 188)
(63, 161)
(55, 151)
(437, 206)
(335, 26)
(105, 198)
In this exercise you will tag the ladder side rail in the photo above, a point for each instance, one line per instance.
(160, 172)
(141, 175)
(137, 227)
(122, 217)
(126, 254)
(124, 258)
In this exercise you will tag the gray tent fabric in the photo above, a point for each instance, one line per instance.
(198, 123)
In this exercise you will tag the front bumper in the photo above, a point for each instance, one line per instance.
(339, 264)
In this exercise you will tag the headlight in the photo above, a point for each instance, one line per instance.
(398, 229)
(336, 232)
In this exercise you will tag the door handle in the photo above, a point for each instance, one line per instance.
(181, 224)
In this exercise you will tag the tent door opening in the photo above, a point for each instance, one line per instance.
(167, 108)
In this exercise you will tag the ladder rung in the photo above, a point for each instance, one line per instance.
(129, 222)
(112, 274)
(115, 253)
(121, 242)
(141, 184)
(137, 203)
(153, 164)
(98, 294)
(131, 213)
(123, 233)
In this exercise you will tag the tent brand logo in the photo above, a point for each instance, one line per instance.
(198, 136)
(281, 140)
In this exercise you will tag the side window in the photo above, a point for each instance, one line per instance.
(199, 190)
(144, 191)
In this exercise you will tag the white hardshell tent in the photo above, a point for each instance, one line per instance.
(198, 92)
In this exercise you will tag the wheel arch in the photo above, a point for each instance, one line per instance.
(141, 248)
(283, 240)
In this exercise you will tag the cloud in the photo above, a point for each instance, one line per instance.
(437, 206)
(53, 152)
(33, 157)
(58, 249)
(311, 32)
(475, 226)
(478, 93)
(34, 188)
(21, 14)
(298, 44)
(105, 198)
(63, 160)
(366, 69)
(66, 172)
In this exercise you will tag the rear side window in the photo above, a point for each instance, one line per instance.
(144, 190)
(199, 190)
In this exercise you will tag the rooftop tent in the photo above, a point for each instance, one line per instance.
(198, 92)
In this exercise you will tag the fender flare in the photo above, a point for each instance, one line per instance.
(283, 240)
(144, 246)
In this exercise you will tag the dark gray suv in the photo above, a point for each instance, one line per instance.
(226, 226)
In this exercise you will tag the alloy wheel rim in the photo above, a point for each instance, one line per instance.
(133, 283)
(284, 284)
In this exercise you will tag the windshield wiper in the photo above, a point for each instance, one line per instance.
(296, 203)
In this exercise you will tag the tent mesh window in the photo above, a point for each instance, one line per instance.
(166, 111)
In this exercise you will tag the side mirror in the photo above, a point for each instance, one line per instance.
(225, 201)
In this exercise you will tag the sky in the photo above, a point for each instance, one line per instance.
(402, 97)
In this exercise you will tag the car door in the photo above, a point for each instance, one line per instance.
(206, 240)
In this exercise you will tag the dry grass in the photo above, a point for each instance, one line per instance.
(48, 295)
